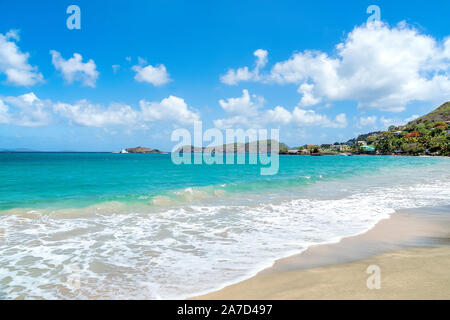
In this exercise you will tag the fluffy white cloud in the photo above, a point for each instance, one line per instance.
(14, 64)
(74, 69)
(304, 117)
(25, 110)
(29, 110)
(233, 77)
(369, 121)
(245, 112)
(308, 98)
(378, 66)
(87, 114)
(171, 109)
(278, 115)
(242, 105)
(261, 58)
(84, 113)
(155, 75)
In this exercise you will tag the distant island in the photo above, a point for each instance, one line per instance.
(140, 150)
(237, 147)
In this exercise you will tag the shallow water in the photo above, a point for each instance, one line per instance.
(137, 226)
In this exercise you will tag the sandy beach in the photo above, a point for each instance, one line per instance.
(411, 250)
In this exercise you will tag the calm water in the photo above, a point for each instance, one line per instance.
(137, 226)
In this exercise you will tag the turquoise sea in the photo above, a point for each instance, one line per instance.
(101, 225)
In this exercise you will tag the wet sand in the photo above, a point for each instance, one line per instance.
(411, 249)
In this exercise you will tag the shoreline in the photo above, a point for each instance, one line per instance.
(421, 236)
(281, 154)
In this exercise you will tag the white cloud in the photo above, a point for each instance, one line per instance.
(233, 77)
(74, 69)
(380, 123)
(386, 122)
(369, 121)
(278, 115)
(261, 58)
(171, 109)
(413, 117)
(378, 66)
(234, 122)
(340, 121)
(29, 110)
(246, 112)
(308, 99)
(13, 34)
(14, 64)
(84, 113)
(242, 105)
(155, 75)
(243, 111)
(87, 114)
(304, 117)
(25, 110)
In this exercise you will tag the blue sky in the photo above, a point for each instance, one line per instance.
(230, 64)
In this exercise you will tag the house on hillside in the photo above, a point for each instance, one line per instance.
(367, 149)
(345, 148)
(341, 148)
(335, 147)
(304, 151)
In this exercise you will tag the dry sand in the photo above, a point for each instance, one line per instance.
(411, 249)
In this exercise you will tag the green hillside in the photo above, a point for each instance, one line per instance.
(427, 135)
